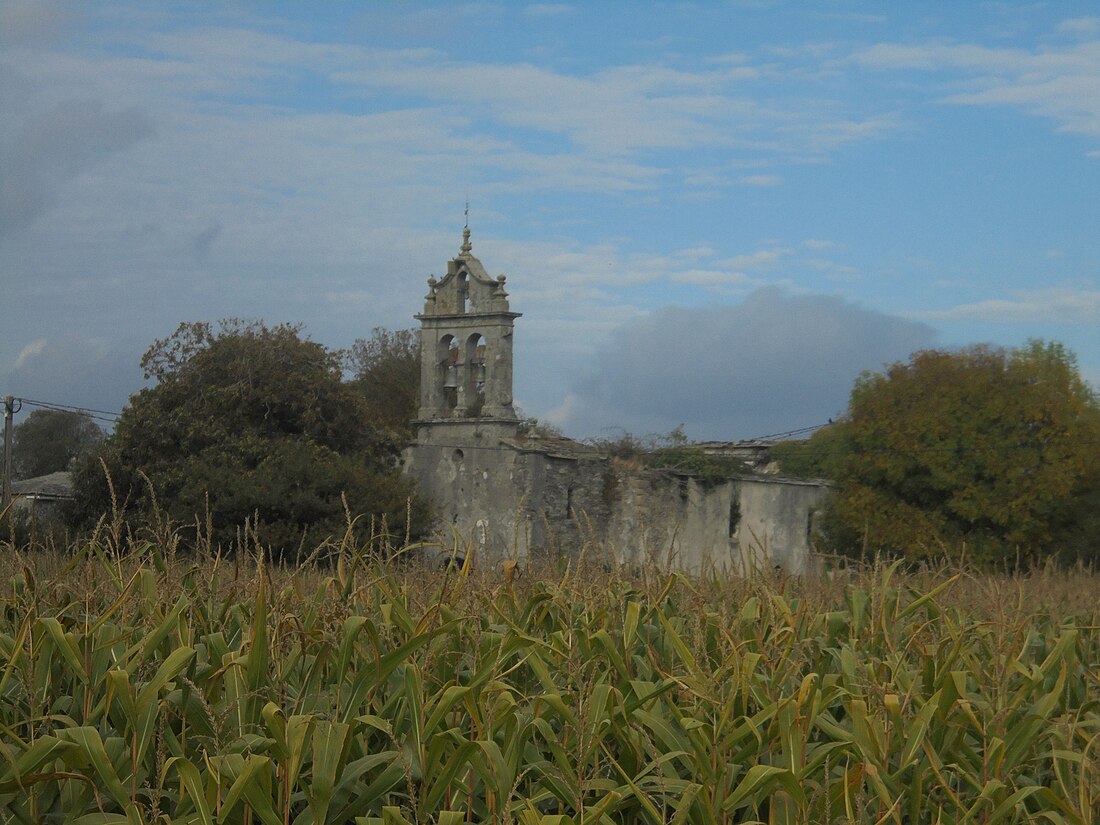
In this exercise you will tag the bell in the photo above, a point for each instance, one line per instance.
(481, 373)
(450, 380)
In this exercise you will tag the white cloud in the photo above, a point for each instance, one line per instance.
(1054, 304)
(835, 272)
(620, 109)
(53, 146)
(761, 259)
(78, 371)
(1080, 25)
(560, 415)
(29, 351)
(717, 279)
(547, 9)
(1060, 83)
(761, 180)
(23, 21)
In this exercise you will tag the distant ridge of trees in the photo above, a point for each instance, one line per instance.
(49, 441)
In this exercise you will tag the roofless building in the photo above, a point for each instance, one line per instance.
(508, 492)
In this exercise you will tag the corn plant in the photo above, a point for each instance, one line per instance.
(148, 688)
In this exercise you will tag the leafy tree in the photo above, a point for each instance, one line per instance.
(386, 369)
(822, 456)
(49, 440)
(250, 421)
(988, 452)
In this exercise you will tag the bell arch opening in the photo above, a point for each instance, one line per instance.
(476, 373)
(447, 356)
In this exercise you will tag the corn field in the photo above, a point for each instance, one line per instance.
(146, 689)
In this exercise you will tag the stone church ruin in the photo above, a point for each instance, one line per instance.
(514, 493)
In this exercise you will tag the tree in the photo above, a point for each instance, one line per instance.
(49, 440)
(986, 451)
(386, 371)
(250, 422)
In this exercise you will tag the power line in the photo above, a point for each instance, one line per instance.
(788, 433)
(98, 415)
(56, 405)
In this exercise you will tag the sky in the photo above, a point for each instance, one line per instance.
(712, 215)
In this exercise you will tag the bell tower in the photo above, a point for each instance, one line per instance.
(465, 348)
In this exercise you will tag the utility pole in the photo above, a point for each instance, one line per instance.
(9, 411)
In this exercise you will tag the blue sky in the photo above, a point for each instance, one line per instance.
(710, 214)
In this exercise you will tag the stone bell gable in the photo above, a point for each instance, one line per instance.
(466, 344)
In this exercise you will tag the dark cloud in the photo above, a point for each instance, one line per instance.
(775, 362)
(54, 146)
(34, 21)
(77, 372)
(202, 241)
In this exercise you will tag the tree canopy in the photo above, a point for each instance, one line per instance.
(987, 452)
(386, 371)
(251, 422)
(48, 441)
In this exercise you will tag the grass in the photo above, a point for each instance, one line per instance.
(148, 686)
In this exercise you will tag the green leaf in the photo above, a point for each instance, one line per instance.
(90, 745)
(760, 780)
(329, 740)
(65, 647)
(40, 753)
(191, 787)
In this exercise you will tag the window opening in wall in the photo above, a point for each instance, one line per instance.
(735, 513)
(463, 289)
(569, 502)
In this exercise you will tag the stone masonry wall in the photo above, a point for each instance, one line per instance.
(505, 501)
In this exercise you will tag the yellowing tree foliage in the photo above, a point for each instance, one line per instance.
(989, 452)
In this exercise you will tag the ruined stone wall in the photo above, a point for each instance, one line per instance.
(569, 504)
(635, 515)
(776, 517)
(659, 518)
(506, 501)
